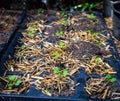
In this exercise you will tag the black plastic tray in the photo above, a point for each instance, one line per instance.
(80, 93)
(13, 31)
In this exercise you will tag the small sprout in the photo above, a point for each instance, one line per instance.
(65, 72)
(92, 16)
(64, 15)
(18, 82)
(89, 31)
(23, 47)
(59, 34)
(56, 70)
(40, 11)
(85, 6)
(108, 76)
(32, 32)
(10, 86)
(95, 34)
(56, 55)
(97, 60)
(98, 42)
(65, 23)
(112, 80)
(12, 78)
(62, 45)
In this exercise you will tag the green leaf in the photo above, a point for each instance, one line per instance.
(65, 73)
(91, 6)
(97, 60)
(12, 78)
(92, 16)
(89, 31)
(85, 6)
(32, 32)
(108, 76)
(63, 15)
(23, 47)
(65, 23)
(56, 70)
(56, 55)
(40, 11)
(62, 45)
(113, 80)
(95, 34)
(59, 34)
(18, 82)
(98, 42)
(10, 86)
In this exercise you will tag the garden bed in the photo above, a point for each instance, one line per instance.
(61, 56)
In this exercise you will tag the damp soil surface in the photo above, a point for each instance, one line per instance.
(8, 23)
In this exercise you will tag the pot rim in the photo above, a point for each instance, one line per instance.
(114, 9)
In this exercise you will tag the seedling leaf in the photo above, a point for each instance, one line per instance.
(10, 86)
(65, 73)
(32, 32)
(97, 60)
(56, 70)
(23, 47)
(59, 34)
(113, 80)
(92, 16)
(108, 76)
(40, 11)
(56, 55)
(18, 82)
(12, 78)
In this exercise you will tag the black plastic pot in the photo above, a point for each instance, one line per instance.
(116, 20)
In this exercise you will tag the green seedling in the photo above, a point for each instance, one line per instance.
(110, 78)
(92, 16)
(56, 70)
(64, 15)
(56, 55)
(13, 81)
(40, 11)
(65, 23)
(60, 73)
(32, 32)
(89, 31)
(97, 60)
(23, 47)
(85, 6)
(18, 82)
(65, 72)
(62, 45)
(95, 34)
(59, 34)
(12, 78)
(98, 42)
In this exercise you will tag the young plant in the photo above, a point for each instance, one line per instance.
(60, 73)
(97, 60)
(62, 45)
(95, 34)
(13, 81)
(65, 23)
(110, 78)
(56, 55)
(40, 11)
(60, 33)
(64, 15)
(23, 47)
(92, 16)
(31, 32)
